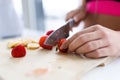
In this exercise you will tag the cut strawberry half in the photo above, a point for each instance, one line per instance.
(41, 43)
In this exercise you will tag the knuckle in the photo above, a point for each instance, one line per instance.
(90, 46)
(108, 42)
(94, 45)
(67, 41)
(97, 26)
(105, 36)
(97, 53)
(82, 39)
(103, 33)
(71, 47)
(77, 34)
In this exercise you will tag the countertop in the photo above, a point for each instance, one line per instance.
(108, 72)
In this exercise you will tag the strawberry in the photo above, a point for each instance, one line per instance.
(59, 45)
(18, 51)
(41, 43)
(49, 32)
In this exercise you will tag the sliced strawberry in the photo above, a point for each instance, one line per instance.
(59, 45)
(41, 43)
(18, 51)
(49, 32)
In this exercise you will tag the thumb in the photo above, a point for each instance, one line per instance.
(79, 17)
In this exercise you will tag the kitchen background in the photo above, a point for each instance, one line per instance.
(43, 15)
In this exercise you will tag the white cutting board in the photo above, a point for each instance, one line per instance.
(43, 64)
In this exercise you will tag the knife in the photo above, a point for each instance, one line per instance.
(60, 33)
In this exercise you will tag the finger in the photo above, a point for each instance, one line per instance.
(91, 46)
(71, 14)
(79, 17)
(67, 42)
(84, 38)
(99, 53)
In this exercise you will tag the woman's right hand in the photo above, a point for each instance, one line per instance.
(77, 14)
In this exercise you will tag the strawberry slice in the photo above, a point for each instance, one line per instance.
(49, 32)
(41, 43)
(18, 51)
(59, 45)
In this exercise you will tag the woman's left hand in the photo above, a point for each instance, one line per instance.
(94, 42)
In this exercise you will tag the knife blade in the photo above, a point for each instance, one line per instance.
(60, 33)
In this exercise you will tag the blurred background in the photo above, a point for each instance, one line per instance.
(39, 16)
(33, 17)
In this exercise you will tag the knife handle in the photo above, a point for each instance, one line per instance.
(71, 22)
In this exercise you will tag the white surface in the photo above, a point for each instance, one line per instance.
(109, 72)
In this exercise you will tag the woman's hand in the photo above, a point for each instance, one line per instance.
(77, 14)
(94, 42)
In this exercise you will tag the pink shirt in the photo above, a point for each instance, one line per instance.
(108, 7)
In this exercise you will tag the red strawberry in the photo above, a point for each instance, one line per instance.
(41, 43)
(49, 32)
(59, 45)
(18, 51)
